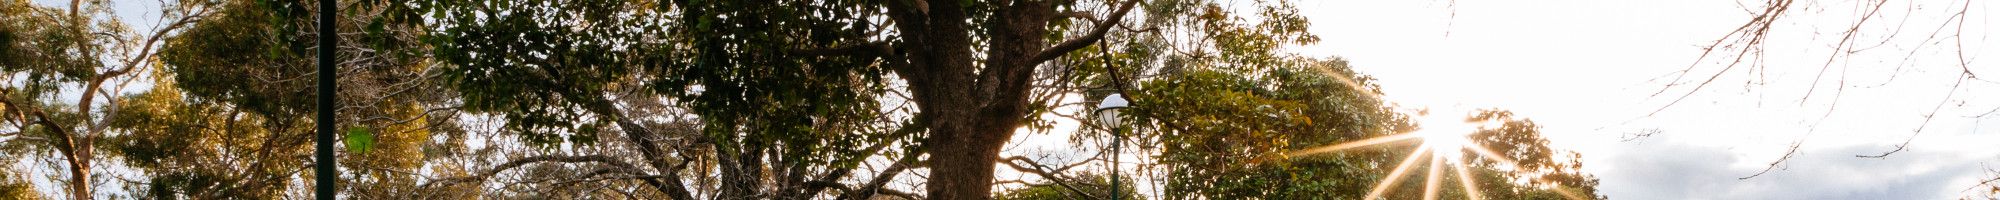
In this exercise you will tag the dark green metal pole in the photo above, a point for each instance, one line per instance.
(1117, 139)
(323, 165)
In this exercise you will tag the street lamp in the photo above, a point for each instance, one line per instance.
(1107, 115)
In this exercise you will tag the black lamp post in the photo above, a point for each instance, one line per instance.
(1107, 115)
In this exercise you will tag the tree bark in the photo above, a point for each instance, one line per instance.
(940, 72)
(79, 173)
(972, 113)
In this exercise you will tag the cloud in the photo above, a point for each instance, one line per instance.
(1674, 167)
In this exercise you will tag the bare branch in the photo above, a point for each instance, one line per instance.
(1792, 151)
(1751, 35)
(1927, 119)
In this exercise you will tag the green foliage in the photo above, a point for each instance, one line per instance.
(188, 146)
(1222, 131)
(229, 115)
(1224, 136)
(12, 187)
(519, 60)
(48, 48)
(760, 99)
(263, 65)
(743, 74)
(1537, 164)
(359, 140)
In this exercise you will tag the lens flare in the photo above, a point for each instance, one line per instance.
(1465, 179)
(1397, 174)
(1446, 138)
(1431, 181)
(1348, 145)
(1445, 141)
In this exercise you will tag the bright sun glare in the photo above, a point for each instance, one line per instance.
(1445, 143)
(1445, 135)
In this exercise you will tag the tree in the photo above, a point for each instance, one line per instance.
(1227, 135)
(1535, 163)
(226, 117)
(967, 66)
(761, 112)
(51, 54)
(1218, 131)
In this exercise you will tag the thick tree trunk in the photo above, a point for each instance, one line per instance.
(942, 83)
(962, 159)
(965, 144)
(972, 110)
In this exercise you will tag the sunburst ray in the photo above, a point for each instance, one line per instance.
(1431, 181)
(1359, 143)
(1395, 175)
(1564, 191)
(1490, 154)
(1450, 154)
(1465, 179)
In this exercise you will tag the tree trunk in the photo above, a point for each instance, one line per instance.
(79, 173)
(941, 82)
(78, 155)
(972, 113)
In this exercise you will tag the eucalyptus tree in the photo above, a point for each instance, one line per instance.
(228, 115)
(63, 69)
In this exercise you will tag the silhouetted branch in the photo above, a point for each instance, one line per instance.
(1095, 34)
(875, 185)
(1038, 169)
(621, 167)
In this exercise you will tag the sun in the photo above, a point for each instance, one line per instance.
(1444, 144)
(1445, 135)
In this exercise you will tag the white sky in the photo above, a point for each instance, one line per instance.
(1581, 69)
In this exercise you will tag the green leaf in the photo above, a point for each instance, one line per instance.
(375, 27)
(360, 140)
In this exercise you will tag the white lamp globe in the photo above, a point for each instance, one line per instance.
(1107, 110)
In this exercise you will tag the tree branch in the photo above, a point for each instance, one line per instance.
(607, 160)
(850, 49)
(1095, 34)
(871, 151)
(875, 185)
(1037, 169)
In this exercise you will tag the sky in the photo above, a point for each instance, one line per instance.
(1584, 70)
